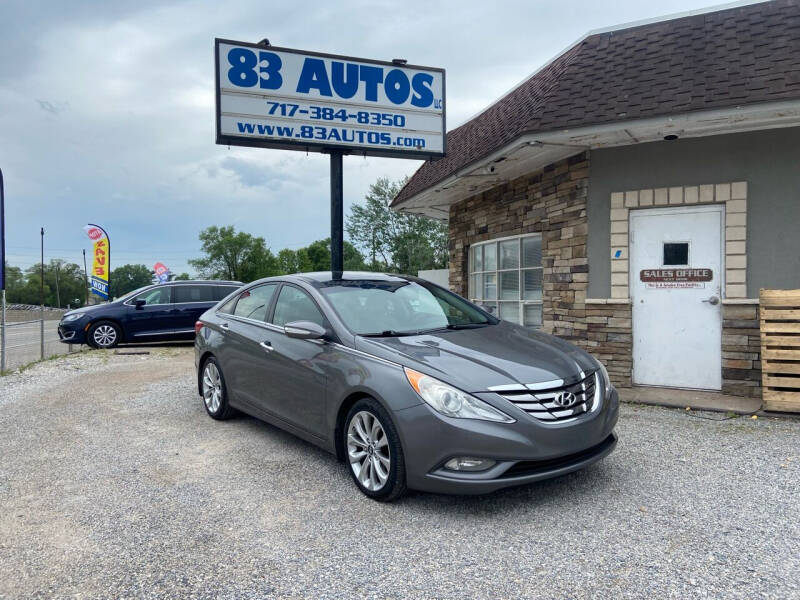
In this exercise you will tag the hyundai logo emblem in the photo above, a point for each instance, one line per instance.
(565, 399)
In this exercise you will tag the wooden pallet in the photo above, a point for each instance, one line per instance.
(780, 349)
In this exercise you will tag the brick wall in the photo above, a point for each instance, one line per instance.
(741, 350)
(551, 202)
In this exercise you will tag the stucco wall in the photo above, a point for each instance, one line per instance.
(769, 161)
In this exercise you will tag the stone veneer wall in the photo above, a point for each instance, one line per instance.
(741, 350)
(609, 337)
(551, 202)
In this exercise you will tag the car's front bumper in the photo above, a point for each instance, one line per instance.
(72, 332)
(525, 451)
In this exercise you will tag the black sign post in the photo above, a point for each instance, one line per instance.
(337, 216)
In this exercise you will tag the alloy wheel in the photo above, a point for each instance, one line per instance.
(212, 387)
(105, 336)
(368, 450)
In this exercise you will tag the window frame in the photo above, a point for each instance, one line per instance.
(476, 296)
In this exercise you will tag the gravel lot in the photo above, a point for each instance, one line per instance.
(114, 483)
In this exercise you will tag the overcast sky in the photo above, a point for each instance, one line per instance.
(107, 109)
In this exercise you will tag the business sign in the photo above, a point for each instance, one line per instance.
(100, 260)
(676, 278)
(160, 273)
(293, 100)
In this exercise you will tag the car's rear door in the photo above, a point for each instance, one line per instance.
(151, 320)
(241, 354)
(189, 301)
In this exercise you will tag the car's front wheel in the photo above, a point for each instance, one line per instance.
(104, 334)
(215, 394)
(374, 451)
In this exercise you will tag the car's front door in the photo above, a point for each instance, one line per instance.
(147, 316)
(293, 382)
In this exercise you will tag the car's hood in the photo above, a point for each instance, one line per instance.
(477, 359)
(85, 309)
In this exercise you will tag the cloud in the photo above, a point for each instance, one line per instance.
(127, 94)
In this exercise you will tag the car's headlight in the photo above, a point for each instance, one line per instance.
(605, 378)
(452, 402)
(68, 318)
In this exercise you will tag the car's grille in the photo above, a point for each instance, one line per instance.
(555, 403)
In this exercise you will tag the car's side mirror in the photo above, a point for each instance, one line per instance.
(139, 304)
(304, 330)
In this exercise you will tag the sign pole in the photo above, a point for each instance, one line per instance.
(337, 215)
(41, 300)
(85, 279)
(2, 274)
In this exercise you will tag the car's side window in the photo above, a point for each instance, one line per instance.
(295, 305)
(157, 295)
(253, 303)
(220, 291)
(193, 293)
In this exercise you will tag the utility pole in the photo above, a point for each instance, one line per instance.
(85, 279)
(41, 302)
(2, 274)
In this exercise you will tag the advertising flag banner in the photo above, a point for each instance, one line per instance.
(100, 260)
(161, 273)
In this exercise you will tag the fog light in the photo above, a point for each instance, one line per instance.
(467, 463)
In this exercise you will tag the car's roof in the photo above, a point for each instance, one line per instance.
(327, 276)
(193, 281)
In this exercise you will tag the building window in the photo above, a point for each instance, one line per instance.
(505, 278)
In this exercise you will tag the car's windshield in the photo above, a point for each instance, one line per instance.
(124, 297)
(371, 307)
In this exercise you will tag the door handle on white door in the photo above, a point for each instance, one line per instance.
(713, 301)
(225, 327)
(266, 346)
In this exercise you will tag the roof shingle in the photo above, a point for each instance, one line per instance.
(743, 55)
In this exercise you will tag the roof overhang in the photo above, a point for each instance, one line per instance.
(533, 151)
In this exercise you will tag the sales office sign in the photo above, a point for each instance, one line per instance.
(675, 278)
(294, 100)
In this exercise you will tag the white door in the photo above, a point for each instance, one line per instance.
(676, 278)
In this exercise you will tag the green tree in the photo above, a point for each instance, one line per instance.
(181, 277)
(317, 257)
(288, 261)
(394, 241)
(230, 255)
(127, 278)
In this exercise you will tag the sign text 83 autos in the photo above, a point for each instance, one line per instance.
(280, 98)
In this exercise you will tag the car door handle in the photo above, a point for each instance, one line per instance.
(225, 327)
(266, 346)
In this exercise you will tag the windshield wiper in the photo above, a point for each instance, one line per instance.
(467, 325)
(389, 333)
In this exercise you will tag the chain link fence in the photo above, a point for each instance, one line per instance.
(32, 334)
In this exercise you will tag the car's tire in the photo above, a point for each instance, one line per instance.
(379, 472)
(104, 335)
(214, 392)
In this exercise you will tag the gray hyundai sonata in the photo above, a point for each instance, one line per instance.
(409, 384)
